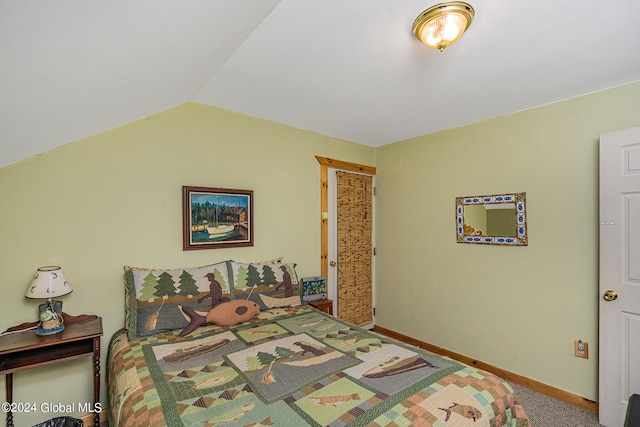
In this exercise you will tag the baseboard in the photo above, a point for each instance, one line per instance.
(509, 376)
(87, 419)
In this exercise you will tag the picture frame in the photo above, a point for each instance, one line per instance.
(314, 288)
(216, 218)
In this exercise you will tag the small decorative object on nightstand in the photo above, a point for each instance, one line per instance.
(314, 291)
(325, 305)
(314, 288)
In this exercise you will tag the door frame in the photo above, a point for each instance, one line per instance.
(325, 164)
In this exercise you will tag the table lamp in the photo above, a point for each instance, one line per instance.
(48, 283)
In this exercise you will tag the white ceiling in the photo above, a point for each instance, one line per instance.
(345, 68)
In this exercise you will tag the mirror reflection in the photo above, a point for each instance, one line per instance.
(497, 219)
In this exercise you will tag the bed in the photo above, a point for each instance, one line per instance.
(290, 365)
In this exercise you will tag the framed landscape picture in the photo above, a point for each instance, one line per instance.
(216, 218)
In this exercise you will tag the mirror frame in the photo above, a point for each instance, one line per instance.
(518, 199)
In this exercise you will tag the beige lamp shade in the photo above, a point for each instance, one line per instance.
(48, 282)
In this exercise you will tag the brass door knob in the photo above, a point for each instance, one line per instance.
(610, 295)
(332, 263)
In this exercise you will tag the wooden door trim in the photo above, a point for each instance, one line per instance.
(325, 163)
(339, 164)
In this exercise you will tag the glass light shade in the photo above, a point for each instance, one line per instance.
(48, 282)
(443, 24)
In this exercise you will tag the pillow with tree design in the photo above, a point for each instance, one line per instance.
(270, 285)
(153, 298)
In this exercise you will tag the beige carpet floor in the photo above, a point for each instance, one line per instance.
(546, 411)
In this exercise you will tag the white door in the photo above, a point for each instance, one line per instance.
(619, 273)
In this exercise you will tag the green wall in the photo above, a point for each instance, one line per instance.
(115, 199)
(517, 308)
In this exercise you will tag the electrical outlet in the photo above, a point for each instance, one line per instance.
(581, 349)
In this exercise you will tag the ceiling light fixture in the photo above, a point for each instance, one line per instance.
(443, 24)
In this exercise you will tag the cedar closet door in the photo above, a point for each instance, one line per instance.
(354, 226)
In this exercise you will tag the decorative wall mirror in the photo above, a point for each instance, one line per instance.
(498, 219)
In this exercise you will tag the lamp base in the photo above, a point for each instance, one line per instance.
(49, 327)
(51, 321)
(55, 306)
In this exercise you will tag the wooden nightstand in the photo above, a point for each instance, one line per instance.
(23, 349)
(325, 305)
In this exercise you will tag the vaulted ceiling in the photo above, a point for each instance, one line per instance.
(345, 68)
